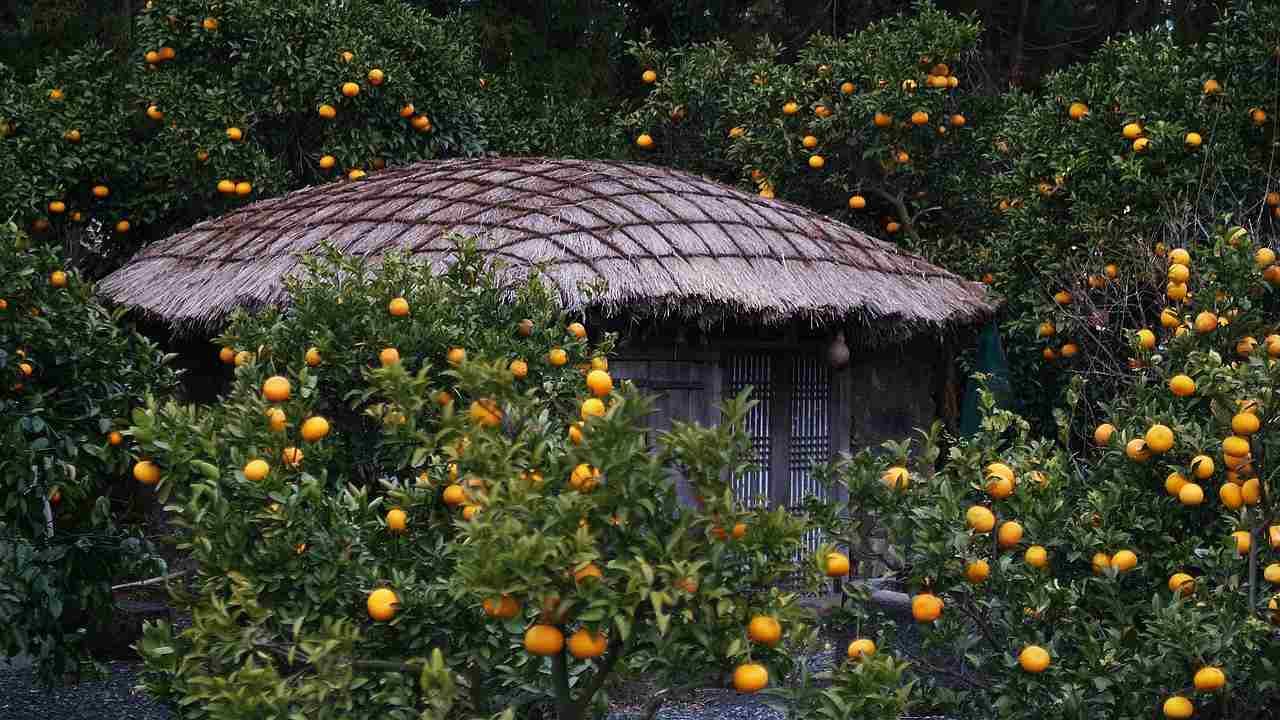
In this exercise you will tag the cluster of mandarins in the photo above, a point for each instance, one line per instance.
(1177, 291)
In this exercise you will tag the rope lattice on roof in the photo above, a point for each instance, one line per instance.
(668, 243)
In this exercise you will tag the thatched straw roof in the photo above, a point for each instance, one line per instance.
(666, 242)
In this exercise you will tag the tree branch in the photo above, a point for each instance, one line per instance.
(603, 668)
(151, 581)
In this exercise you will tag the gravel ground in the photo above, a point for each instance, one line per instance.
(108, 698)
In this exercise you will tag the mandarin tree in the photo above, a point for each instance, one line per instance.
(871, 127)
(219, 105)
(1143, 149)
(71, 374)
(480, 487)
(1110, 579)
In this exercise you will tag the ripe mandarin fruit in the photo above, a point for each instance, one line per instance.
(1037, 557)
(809, 142)
(644, 141)
(1182, 385)
(926, 607)
(750, 677)
(256, 470)
(227, 355)
(1209, 679)
(350, 89)
(1010, 534)
(1124, 560)
(1202, 466)
(1078, 110)
(312, 357)
(1191, 494)
(382, 604)
(376, 77)
(585, 644)
(1159, 438)
(398, 307)
(599, 383)
(291, 456)
(276, 419)
(817, 162)
(115, 438)
(1131, 131)
(1242, 540)
(389, 356)
(1272, 574)
(226, 187)
(649, 77)
(1237, 446)
(1102, 434)
(505, 608)
(519, 369)
(277, 388)
(1033, 659)
(454, 495)
(314, 428)
(1245, 424)
(837, 564)
(1182, 583)
(999, 487)
(589, 571)
(977, 571)
(485, 412)
(592, 407)
(860, 648)
(1178, 707)
(1230, 496)
(1101, 561)
(764, 630)
(919, 117)
(1146, 339)
(1179, 273)
(980, 519)
(1251, 491)
(396, 520)
(235, 134)
(146, 472)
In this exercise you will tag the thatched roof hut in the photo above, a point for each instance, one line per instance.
(714, 289)
(667, 242)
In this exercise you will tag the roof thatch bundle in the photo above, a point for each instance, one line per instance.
(666, 242)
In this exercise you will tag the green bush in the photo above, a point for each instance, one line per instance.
(1121, 640)
(489, 498)
(885, 109)
(154, 131)
(70, 374)
(1079, 196)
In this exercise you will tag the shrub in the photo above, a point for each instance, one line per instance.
(70, 376)
(455, 504)
(1091, 212)
(1123, 633)
(156, 130)
(874, 127)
